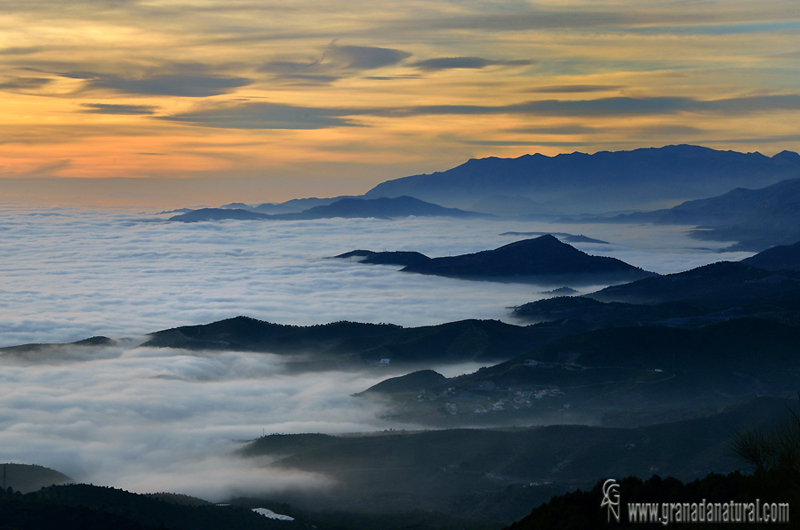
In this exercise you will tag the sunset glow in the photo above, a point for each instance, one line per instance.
(179, 103)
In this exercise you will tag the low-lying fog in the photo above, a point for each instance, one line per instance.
(156, 420)
(166, 420)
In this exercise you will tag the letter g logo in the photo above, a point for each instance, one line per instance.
(611, 498)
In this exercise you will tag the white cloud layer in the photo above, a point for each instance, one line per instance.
(69, 274)
(167, 420)
(153, 420)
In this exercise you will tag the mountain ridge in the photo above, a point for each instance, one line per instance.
(543, 260)
(756, 218)
(341, 345)
(379, 208)
(599, 182)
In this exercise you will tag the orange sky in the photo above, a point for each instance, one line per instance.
(181, 103)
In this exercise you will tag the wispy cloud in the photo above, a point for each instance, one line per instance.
(312, 73)
(364, 57)
(185, 85)
(565, 130)
(262, 115)
(24, 83)
(21, 50)
(475, 63)
(133, 110)
(333, 63)
(614, 106)
(573, 89)
(670, 17)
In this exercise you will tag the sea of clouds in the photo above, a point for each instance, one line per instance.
(71, 274)
(159, 419)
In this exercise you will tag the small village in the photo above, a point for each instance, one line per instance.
(484, 398)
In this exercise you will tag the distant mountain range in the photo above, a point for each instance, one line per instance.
(543, 260)
(382, 208)
(290, 206)
(757, 219)
(605, 181)
(219, 214)
(575, 183)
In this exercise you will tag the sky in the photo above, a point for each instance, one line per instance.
(182, 103)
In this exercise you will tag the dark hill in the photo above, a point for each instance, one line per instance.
(694, 298)
(287, 444)
(697, 297)
(563, 236)
(597, 183)
(218, 214)
(630, 376)
(90, 342)
(746, 341)
(543, 259)
(85, 507)
(413, 382)
(784, 257)
(386, 258)
(26, 478)
(578, 510)
(349, 342)
(501, 474)
(717, 285)
(290, 206)
(597, 314)
(82, 349)
(382, 208)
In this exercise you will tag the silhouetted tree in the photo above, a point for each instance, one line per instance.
(773, 452)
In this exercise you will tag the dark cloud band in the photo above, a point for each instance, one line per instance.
(196, 85)
(258, 115)
(261, 115)
(133, 110)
